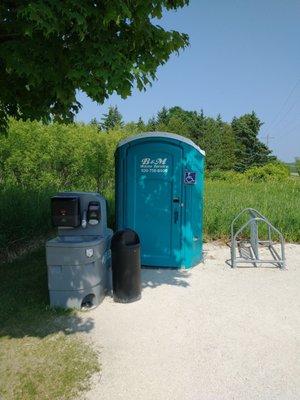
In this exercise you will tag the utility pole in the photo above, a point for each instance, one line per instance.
(268, 137)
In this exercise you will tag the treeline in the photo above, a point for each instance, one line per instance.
(228, 146)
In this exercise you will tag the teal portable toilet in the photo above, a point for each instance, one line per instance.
(159, 194)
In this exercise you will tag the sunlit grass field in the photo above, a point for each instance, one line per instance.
(278, 201)
(25, 214)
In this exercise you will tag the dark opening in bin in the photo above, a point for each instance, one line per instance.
(88, 301)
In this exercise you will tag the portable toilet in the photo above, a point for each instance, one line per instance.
(159, 194)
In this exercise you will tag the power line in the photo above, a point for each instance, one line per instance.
(293, 130)
(284, 133)
(285, 102)
(278, 123)
(285, 114)
(288, 125)
(268, 137)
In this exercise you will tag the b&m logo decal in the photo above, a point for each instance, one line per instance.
(154, 165)
(154, 161)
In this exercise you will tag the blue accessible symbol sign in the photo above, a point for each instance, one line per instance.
(190, 177)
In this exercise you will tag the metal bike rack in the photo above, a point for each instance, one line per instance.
(249, 248)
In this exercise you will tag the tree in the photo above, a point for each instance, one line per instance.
(297, 164)
(162, 116)
(141, 125)
(218, 141)
(176, 125)
(112, 119)
(212, 135)
(192, 120)
(51, 49)
(170, 119)
(95, 123)
(151, 125)
(250, 151)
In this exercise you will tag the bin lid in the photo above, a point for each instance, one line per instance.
(125, 237)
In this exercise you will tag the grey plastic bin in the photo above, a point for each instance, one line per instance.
(78, 259)
(78, 271)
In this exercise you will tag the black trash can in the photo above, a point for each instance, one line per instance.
(126, 266)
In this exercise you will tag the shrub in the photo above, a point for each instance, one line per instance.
(227, 176)
(37, 160)
(72, 156)
(269, 172)
(297, 165)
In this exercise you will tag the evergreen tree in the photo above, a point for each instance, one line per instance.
(218, 141)
(177, 125)
(250, 151)
(228, 146)
(112, 119)
(95, 123)
(212, 135)
(162, 116)
(193, 122)
(219, 119)
(141, 125)
(151, 125)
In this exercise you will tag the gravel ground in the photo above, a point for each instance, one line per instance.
(208, 333)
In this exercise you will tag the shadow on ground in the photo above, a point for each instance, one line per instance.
(154, 277)
(24, 302)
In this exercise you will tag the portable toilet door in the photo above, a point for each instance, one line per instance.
(159, 194)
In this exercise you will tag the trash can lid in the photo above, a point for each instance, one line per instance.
(125, 237)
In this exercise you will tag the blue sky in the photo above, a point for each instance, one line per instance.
(243, 56)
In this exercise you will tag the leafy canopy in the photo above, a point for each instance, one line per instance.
(50, 49)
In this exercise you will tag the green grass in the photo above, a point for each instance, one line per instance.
(41, 355)
(25, 218)
(278, 201)
(25, 214)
